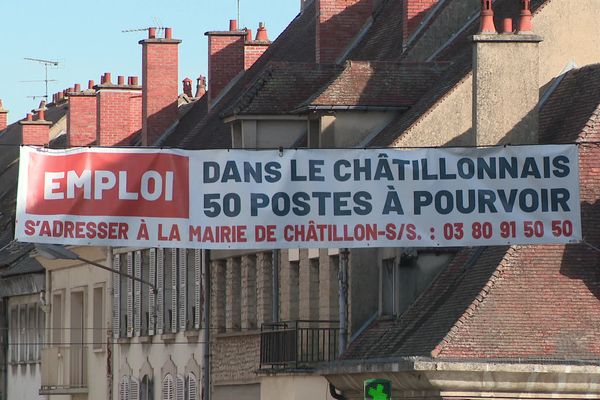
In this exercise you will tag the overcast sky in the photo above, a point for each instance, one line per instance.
(86, 38)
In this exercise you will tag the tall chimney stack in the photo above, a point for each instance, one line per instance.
(3, 117)
(160, 84)
(35, 132)
(81, 117)
(505, 82)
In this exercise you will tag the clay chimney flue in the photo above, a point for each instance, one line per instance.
(487, 18)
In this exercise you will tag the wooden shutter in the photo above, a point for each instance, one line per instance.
(180, 392)
(137, 298)
(197, 287)
(152, 306)
(182, 289)
(116, 297)
(130, 295)
(192, 392)
(167, 388)
(160, 278)
(135, 389)
(174, 290)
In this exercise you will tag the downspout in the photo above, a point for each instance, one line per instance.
(343, 300)
(109, 333)
(275, 285)
(48, 311)
(206, 345)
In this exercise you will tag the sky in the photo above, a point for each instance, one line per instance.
(86, 38)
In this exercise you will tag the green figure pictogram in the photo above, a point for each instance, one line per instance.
(378, 394)
(378, 389)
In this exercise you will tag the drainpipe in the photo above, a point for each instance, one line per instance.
(109, 332)
(206, 278)
(275, 259)
(343, 299)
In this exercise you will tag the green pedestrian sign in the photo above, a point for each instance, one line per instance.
(378, 389)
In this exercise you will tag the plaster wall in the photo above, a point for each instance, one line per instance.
(294, 387)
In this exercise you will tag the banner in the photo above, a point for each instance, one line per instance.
(240, 199)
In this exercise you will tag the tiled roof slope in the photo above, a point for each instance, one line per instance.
(295, 44)
(526, 302)
(282, 87)
(10, 139)
(379, 84)
(459, 53)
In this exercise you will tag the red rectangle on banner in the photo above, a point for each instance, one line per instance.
(111, 184)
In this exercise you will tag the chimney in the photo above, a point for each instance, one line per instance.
(35, 132)
(200, 86)
(160, 84)
(3, 117)
(187, 87)
(81, 116)
(118, 111)
(339, 22)
(505, 82)
(225, 58)
(413, 14)
(253, 49)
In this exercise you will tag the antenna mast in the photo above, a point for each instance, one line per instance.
(46, 63)
(238, 13)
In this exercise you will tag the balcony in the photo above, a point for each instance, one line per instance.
(64, 370)
(298, 345)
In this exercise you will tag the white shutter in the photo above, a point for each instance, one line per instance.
(124, 388)
(180, 392)
(174, 290)
(137, 298)
(130, 295)
(192, 387)
(197, 287)
(153, 310)
(135, 389)
(167, 388)
(116, 297)
(182, 288)
(160, 278)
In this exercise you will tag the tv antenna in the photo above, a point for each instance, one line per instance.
(46, 63)
(238, 13)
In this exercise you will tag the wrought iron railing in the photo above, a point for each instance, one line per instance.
(298, 344)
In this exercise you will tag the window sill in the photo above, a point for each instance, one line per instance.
(145, 339)
(123, 340)
(168, 337)
(99, 350)
(192, 333)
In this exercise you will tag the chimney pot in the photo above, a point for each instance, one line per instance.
(168, 33)
(41, 106)
(91, 84)
(135, 81)
(77, 87)
(200, 86)
(41, 115)
(507, 25)
(107, 78)
(151, 33)
(261, 34)
(60, 96)
(248, 35)
(187, 87)
(525, 24)
(487, 18)
(29, 117)
(233, 25)
(121, 80)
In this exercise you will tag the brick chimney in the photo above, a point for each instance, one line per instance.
(35, 131)
(339, 22)
(160, 84)
(505, 80)
(119, 110)
(253, 49)
(81, 117)
(200, 86)
(3, 117)
(414, 13)
(225, 57)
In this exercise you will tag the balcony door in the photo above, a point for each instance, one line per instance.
(77, 353)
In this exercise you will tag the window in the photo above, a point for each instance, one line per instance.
(233, 294)
(123, 297)
(31, 333)
(170, 289)
(146, 388)
(193, 289)
(137, 294)
(192, 387)
(145, 293)
(41, 328)
(124, 388)
(22, 333)
(57, 319)
(98, 318)
(167, 388)
(13, 338)
(180, 390)
(388, 282)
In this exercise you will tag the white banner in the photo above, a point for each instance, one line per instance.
(239, 199)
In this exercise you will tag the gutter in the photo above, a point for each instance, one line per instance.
(349, 108)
